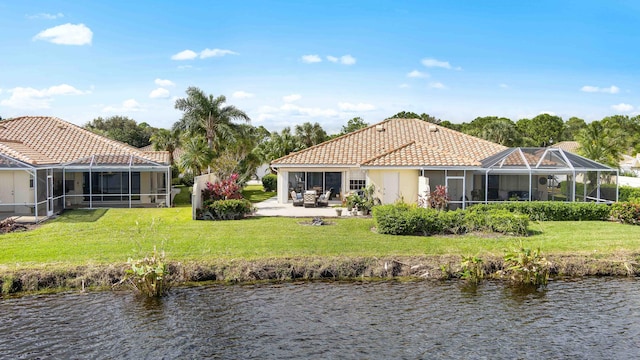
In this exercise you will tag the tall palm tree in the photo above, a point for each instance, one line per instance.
(207, 114)
(310, 134)
(501, 131)
(197, 155)
(167, 140)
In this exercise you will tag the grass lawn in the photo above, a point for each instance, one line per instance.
(255, 193)
(183, 198)
(112, 235)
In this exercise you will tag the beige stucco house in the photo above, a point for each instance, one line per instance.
(404, 158)
(48, 164)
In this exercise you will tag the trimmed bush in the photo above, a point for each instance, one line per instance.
(270, 182)
(232, 209)
(552, 210)
(403, 219)
(626, 212)
(627, 193)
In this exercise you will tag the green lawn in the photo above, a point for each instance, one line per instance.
(112, 235)
(255, 193)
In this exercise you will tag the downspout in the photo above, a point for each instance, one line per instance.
(486, 187)
(598, 190)
(617, 184)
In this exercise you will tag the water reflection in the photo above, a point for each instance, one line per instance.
(593, 318)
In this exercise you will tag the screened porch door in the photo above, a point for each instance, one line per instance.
(455, 190)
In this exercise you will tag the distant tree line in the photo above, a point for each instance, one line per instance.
(216, 137)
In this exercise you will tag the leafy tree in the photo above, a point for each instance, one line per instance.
(449, 125)
(629, 131)
(501, 131)
(412, 115)
(122, 128)
(354, 124)
(310, 134)
(206, 115)
(543, 130)
(240, 157)
(167, 140)
(573, 127)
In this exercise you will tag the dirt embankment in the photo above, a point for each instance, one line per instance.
(287, 269)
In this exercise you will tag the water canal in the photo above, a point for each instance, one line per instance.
(594, 318)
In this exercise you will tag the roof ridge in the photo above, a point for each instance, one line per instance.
(388, 152)
(324, 143)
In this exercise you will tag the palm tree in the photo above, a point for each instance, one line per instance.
(167, 140)
(197, 155)
(310, 134)
(208, 115)
(600, 143)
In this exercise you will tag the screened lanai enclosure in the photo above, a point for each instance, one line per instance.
(97, 181)
(530, 174)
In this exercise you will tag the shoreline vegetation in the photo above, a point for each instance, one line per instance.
(62, 277)
(83, 249)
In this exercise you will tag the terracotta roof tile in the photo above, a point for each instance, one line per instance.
(397, 142)
(50, 140)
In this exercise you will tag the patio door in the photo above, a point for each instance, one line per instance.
(49, 192)
(7, 192)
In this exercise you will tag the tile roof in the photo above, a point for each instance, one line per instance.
(40, 140)
(397, 142)
(572, 146)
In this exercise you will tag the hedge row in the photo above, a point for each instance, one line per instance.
(404, 219)
(552, 210)
(626, 212)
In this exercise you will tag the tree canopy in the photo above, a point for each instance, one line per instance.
(122, 128)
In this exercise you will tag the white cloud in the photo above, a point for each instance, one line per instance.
(437, 85)
(622, 107)
(185, 55)
(332, 59)
(430, 62)
(355, 107)
(207, 53)
(27, 97)
(347, 60)
(504, 86)
(159, 93)
(593, 89)
(242, 95)
(417, 74)
(404, 86)
(310, 59)
(164, 82)
(291, 98)
(45, 16)
(130, 105)
(67, 34)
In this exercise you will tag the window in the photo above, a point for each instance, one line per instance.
(355, 185)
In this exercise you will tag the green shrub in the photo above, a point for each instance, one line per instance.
(552, 210)
(149, 276)
(403, 219)
(627, 193)
(232, 209)
(176, 181)
(187, 179)
(626, 212)
(270, 182)
(527, 267)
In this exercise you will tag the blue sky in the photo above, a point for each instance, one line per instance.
(287, 62)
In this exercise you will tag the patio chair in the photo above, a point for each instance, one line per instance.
(297, 198)
(323, 200)
(310, 198)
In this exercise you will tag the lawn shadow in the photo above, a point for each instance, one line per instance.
(81, 215)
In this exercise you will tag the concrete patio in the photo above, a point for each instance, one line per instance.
(271, 207)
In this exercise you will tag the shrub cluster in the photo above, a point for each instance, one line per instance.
(628, 193)
(552, 210)
(626, 212)
(404, 219)
(225, 189)
(269, 182)
(232, 209)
